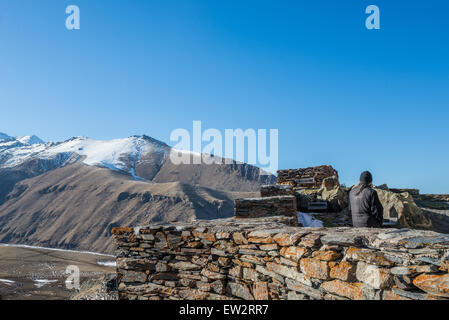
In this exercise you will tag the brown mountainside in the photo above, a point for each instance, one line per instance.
(76, 206)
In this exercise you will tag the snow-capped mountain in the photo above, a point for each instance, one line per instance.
(30, 140)
(119, 154)
(5, 137)
(141, 157)
(70, 194)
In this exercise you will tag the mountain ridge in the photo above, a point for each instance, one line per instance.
(69, 194)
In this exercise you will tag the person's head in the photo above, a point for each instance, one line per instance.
(366, 177)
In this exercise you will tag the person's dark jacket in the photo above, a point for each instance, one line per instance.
(365, 208)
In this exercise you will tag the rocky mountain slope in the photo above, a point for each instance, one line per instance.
(141, 157)
(70, 194)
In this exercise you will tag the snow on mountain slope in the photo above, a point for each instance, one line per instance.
(119, 154)
(141, 157)
(4, 136)
(30, 140)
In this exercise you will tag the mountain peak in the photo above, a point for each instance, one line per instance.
(154, 141)
(30, 140)
(4, 136)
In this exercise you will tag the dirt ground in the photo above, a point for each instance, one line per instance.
(28, 273)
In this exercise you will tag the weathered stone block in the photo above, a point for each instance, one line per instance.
(437, 285)
(293, 253)
(315, 268)
(312, 240)
(378, 278)
(286, 239)
(135, 264)
(352, 291)
(213, 275)
(122, 231)
(343, 270)
(368, 256)
(268, 247)
(160, 241)
(236, 271)
(292, 295)
(187, 283)
(218, 287)
(285, 271)
(239, 238)
(260, 290)
(205, 236)
(269, 273)
(133, 276)
(414, 270)
(203, 286)
(252, 259)
(287, 262)
(390, 295)
(182, 265)
(304, 289)
(327, 255)
(239, 290)
(250, 274)
(222, 235)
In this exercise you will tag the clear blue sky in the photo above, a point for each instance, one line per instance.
(338, 93)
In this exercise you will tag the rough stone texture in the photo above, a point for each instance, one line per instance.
(433, 284)
(336, 197)
(267, 258)
(352, 291)
(263, 207)
(343, 270)
(378, 278)
(402, 208)
(315, 268)
(292, 176)
(276, 190)
(104, 288)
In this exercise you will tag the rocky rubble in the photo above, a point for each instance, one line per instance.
(401, 207)
(104, 288)
(264, 258)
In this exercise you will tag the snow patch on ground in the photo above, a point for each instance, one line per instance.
(107, 263)
(54, 249)
(308, 221)
(8, 282)
(42, 282)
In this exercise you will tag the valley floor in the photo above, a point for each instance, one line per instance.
(33, 273)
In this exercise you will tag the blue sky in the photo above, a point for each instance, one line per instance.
(338, 93)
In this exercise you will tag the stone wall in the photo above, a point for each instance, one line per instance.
(276, 190)
(266, 206)
(434, 197)
(263, 258)
(293, 177)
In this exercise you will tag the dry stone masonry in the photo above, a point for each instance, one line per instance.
(263, 253)
(306, 177)
(265, 258)
(267, 206)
